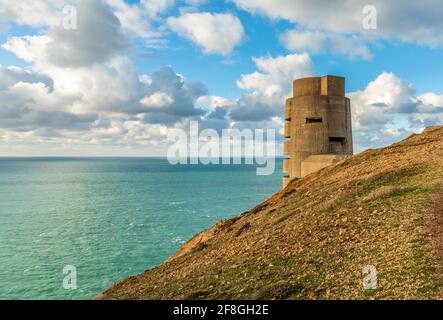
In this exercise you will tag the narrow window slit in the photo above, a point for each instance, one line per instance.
(337, 139)
(314, 120)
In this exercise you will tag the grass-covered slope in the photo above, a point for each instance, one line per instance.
(310, 241)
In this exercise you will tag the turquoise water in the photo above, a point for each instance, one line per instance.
(109, 218)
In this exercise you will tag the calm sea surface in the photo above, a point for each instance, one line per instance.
(108, 217)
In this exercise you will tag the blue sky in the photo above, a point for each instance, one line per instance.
(85, 91)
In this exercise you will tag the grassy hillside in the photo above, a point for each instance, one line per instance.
(382, 207)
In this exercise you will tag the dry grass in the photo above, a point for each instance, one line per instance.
(311, 240)
(384, 192)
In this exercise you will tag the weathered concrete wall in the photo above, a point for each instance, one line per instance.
(319, 161)
(318, 121)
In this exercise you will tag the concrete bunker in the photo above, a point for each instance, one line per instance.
(317, 126)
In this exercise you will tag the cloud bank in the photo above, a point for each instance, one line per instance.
(81, 93)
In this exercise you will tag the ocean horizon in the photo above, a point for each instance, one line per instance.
(110, 217)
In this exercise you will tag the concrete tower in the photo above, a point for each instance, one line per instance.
(318, 126)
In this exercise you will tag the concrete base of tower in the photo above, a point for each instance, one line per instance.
(319, 161)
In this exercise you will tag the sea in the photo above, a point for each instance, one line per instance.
(71, 227)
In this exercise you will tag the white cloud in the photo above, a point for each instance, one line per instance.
(215, 33)
(31, 12)
(157, 100)
(182, 97)
(298, 40)
(431, 99)
(82, 93)
(212, 102)
(98, 38)
(322, 42)
(275, 75)
(137, 18)
(106, 105)
(28, 48)
(375, 106)
(81, 89)
(388, 91)
(388, 109)
(12, 75)
(155, 7)
(268, 87)
(396, 18)
(132, 18)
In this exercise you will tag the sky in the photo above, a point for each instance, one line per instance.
(113, 77)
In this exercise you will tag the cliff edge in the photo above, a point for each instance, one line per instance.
(382, 208)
